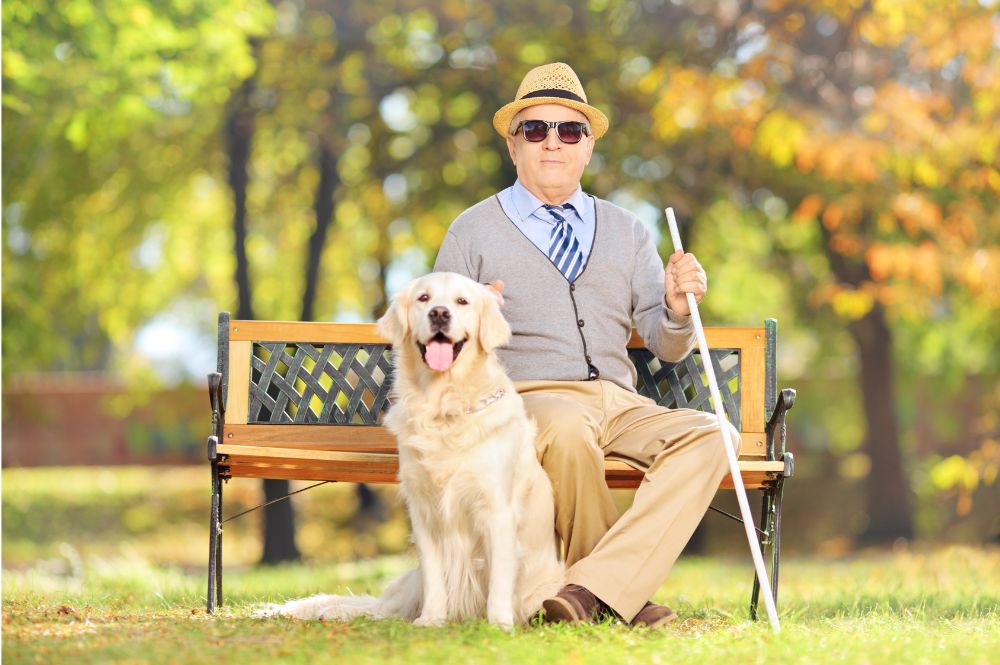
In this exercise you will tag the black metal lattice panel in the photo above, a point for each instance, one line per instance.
(301, 383)
(348, 384)
(684, 385)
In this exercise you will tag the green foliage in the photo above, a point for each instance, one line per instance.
(109, 113)
(401, 93)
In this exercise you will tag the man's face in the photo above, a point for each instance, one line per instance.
(550, 165)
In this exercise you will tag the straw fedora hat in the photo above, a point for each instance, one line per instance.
(555, 83)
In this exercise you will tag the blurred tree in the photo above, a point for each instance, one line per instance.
(107, 115)
(279, 517)
(345, 122)
(878, 124)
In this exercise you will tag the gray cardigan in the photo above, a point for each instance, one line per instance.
(562, 332)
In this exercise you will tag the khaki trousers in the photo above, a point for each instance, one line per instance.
(623, 560)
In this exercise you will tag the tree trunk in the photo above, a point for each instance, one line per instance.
(279, 525)
(887, 488)
(279, 519)
(239, 138)
(323, 209)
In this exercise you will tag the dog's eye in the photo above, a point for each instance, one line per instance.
(462, 301)
(423, 297)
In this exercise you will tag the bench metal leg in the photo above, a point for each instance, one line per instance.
(765, 525)
(215, 543)
(218, 550)
(771, 525)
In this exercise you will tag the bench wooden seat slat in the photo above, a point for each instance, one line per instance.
(304, 331)
(366, 438)
(264, 453)
(347, 466)
(364, 333)
(247, 471)
(752, 479)
(333, 437)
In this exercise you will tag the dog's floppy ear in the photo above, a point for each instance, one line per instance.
(395, 323)
(494, 331)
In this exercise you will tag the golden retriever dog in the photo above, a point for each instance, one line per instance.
(480, 505)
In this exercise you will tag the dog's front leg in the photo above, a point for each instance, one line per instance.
(434, 608)
(503, 568)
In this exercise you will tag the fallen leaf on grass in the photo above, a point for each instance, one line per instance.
(339, 628)
(698, 627)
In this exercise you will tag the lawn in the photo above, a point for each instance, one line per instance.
(109, 599)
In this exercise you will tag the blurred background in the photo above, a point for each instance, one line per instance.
(834, 165)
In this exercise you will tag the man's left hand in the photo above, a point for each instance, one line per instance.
(682, 275)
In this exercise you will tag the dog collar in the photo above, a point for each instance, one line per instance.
(486, 401)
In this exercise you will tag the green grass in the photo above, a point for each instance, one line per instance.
(161, 514)
(935, 607)
(131, 589)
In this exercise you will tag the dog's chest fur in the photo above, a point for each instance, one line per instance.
(454, 479)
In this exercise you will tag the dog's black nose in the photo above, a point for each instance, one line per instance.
(440, 317)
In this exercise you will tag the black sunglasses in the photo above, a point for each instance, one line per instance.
(568, 131)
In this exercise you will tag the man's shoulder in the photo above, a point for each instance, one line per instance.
(621, 222)
(486, 209)
(609, 210)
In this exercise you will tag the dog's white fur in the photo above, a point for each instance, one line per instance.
(480, 505)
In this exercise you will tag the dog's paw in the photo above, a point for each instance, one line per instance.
(267, 611)
(506, 626)
(428, 621)
(502, 620)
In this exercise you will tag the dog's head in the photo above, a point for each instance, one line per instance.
(441, 315)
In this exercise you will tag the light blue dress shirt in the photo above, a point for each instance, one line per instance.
(530, 216)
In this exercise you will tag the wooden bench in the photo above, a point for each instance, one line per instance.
(303, 401)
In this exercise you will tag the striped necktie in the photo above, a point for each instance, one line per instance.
(564, 248)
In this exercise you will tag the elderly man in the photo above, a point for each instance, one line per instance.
(576, 273)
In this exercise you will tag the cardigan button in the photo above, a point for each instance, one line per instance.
(580, 323)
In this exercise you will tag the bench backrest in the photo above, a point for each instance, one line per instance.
(326, 386)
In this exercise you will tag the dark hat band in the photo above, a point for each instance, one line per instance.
(553, 92)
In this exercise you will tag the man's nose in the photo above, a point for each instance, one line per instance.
(551, 139)
(440, 317)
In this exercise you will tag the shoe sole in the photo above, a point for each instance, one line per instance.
(559, 610)
(661, 622)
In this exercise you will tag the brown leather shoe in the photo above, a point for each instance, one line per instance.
(653, 616)
(573, 604)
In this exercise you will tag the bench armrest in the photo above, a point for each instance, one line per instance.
(218, 411)
(776, 425)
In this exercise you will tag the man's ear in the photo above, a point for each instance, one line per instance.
(394, 325)
(494, 331)
(510, 149)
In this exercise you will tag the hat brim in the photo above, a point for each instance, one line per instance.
(501, 119)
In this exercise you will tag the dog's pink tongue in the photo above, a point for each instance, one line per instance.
(439, 356)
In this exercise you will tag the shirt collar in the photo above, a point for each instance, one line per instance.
(527, 204)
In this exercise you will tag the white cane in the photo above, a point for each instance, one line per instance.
(734, 467)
